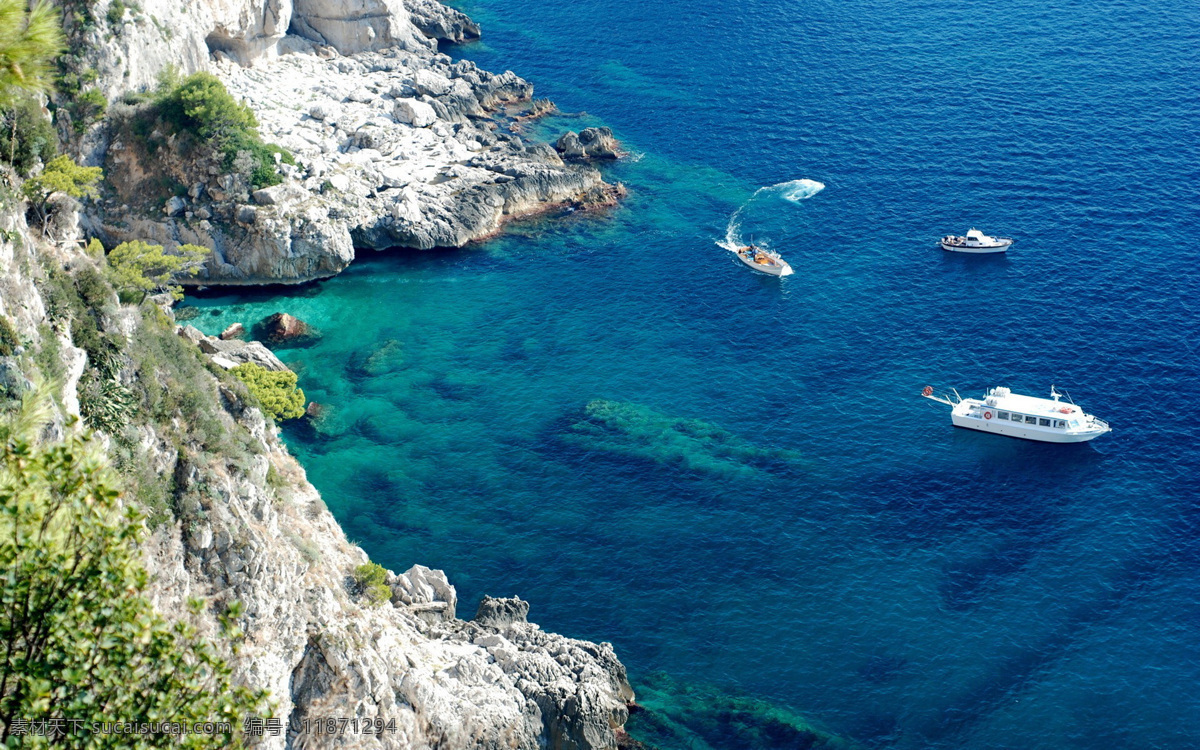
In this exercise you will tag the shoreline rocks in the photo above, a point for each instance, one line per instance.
(229, 353)
(281, 329)
(589, 144)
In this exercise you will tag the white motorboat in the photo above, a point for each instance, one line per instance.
(975, 241)
(762, 260)
(1049, 420)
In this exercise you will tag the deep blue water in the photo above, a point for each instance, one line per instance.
(836, 548)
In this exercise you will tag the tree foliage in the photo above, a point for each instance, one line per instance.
(372, 580)
(28, 136)
(30, 38)
(60, 175)
(9, 338)
(200, 104)
(276, 392)
(139, 268)
(81, 640)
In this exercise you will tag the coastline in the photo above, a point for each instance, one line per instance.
(237, 520)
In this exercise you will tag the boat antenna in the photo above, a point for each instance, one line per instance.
(1053, 393)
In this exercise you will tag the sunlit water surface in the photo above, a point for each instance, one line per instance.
(822, 539)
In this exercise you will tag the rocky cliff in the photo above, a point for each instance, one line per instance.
(395, 144)
(238, 521)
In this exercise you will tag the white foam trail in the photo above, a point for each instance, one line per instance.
(798, 190)
(792, 190)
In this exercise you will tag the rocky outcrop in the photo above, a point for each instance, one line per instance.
(440, 22)
(394, 149)
(229, 353)
(589, 144)
(281, 329)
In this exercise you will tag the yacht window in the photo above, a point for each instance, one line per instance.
(1044, 422)
(1002, 415)
(1030, 420)
(1060, 424)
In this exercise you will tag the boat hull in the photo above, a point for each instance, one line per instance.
(1023, 431)
(781, 270)
(983, 250)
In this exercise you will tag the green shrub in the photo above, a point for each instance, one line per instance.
(139, 268)
(86, 108)
(27, 135)
(372, 582)
(60, 175)
(275, 392)
(116, 12)
(174, 387)
(82, 301)
(85, 641)
(95, 249)
(48, 355)
(9, 339)
(104, 403)
(201, 105)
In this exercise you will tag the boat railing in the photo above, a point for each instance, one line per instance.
(1100, 423)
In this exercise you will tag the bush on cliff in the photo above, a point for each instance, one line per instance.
(275, 392)
(60, 175)
(200, 104)
(372, 581)
(28, 136)
(83, 640)
(139, 268)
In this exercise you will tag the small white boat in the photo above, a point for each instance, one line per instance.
(1003, 412)
(762, 260)
(975, 241)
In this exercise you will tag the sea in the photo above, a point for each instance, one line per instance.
(732, 477)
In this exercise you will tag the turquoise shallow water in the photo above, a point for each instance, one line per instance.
(756, 498)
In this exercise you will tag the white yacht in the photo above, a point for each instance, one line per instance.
(1003, 412)
(763, 260)
(975, 241)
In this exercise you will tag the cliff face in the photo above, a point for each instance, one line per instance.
(396, 145)
(245, 525)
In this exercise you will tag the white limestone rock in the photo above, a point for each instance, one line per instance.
(414, 112)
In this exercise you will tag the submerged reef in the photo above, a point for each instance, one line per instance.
(674, 713)
(638, 432)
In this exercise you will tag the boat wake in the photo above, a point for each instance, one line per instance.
(798, 190)
(792, 191)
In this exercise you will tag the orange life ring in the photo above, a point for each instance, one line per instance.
(987, 415)
(928, 391)
(1065, 410)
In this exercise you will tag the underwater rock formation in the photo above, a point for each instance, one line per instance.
(674, 713)
(639, 432)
